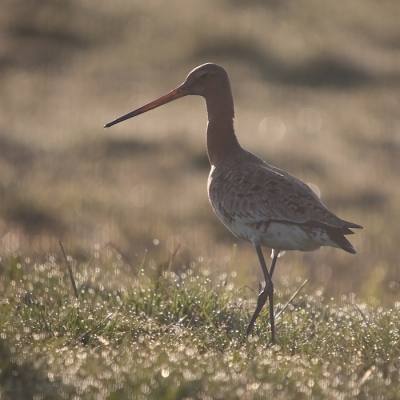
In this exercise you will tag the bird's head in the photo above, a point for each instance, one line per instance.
(202, 81)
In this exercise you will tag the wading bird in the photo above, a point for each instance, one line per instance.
(254, 200)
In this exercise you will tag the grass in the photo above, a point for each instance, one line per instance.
(162, 335)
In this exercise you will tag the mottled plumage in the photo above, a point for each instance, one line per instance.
(254, 200)
(272, 208)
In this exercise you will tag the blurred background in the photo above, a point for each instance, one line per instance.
(317, 93)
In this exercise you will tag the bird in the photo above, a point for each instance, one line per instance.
(254, 200)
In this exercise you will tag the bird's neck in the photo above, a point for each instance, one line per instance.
(221, 139)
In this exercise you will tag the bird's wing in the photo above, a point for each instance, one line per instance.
(260, 192)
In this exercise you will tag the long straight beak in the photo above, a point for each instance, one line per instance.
(177, 93)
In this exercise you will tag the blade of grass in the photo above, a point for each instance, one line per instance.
(70, 272)
(291, 299)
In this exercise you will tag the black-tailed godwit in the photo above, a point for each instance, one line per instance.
(254, 200)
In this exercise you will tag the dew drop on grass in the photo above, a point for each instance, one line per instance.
(165, 372)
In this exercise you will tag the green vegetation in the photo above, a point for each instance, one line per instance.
(166, 335)
(164, 292)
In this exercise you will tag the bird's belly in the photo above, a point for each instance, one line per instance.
(280, 236)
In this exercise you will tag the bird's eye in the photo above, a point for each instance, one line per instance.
(204, 76)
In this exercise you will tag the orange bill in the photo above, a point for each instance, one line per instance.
(177, 93)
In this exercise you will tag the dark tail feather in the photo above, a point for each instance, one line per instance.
(341, 241)
(352, 225)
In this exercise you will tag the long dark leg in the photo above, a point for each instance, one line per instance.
(267, 293)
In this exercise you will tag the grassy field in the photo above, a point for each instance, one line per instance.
(317, 93)
(162, 335)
